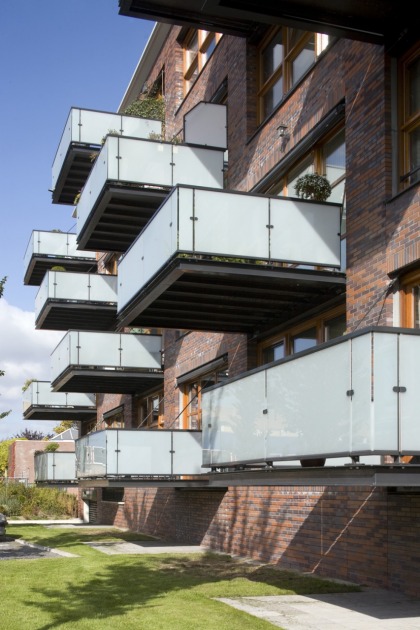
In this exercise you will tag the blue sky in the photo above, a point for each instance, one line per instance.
(54, 55)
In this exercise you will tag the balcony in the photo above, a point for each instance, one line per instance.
(102, 362)
(49, 249)
(129, 181)
(81, 141)
(41, 403)
(76, 300)
(55, 468)
(351, 397)
(226, 261)
(378, 23)
(130, 453)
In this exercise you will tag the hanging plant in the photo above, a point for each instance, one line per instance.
(313, 186)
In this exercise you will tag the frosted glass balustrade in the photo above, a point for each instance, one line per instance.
(149, 164)
(357, 396)
(55, 467)
(88, 127)
(228, 224)
(54, 244)
(113, 350)
(116, 452)
(39, 393)
(82, 287)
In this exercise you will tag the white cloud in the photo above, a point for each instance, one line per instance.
(24, 354)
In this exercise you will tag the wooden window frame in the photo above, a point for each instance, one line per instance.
(185, 390)
(145, 411)
(199, 57)
(285, 69)
(319, 322)
(408, 282)
(408, 122)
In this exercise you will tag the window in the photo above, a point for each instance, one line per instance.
(327, 157)
(409, 77)
(150, 412)
(191, 390)
(410, 300)
(114, 419)
(285, 56)
(198, 48)
(307, 335)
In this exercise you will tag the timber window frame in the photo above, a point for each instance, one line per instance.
(410, 300)
(198, 46)
(409, 117)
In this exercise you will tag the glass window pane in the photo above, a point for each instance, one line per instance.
(273, 96)
(335, 327)
(273, 353)
(416, 300)
(209, 50)
(304, 167)
(304, 340)
(272, 56)
(294, 35)
(335, 157)
(414, 87)
(415, 154)
(303, 61)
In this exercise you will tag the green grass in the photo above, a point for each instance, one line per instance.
(160, 592)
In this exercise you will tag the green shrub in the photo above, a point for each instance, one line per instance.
(30, 502)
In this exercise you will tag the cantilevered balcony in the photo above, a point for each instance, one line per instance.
(81, 141)
(355, 396)
(49, 249)
(76, 300)
(379, 23)
(55, 468)
(129, 181)
(121, 363)
(217, 260)
(125, 453)
(41, 403)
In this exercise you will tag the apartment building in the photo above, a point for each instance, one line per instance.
(247, 355)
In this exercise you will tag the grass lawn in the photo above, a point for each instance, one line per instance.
(157, 592)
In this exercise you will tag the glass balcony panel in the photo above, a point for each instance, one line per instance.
(305, 232)
(91, 455)
(117, 452)
(147, 255)
(111, 350)
(205, 124)
(55, 467)
(409, 400)
(89, 127)
(308, 408)
(150, 164)
(384, 428)
(73, 287)
(233, 430)
(228, 224)
(40, 393)
(54, 244)
(335, 401)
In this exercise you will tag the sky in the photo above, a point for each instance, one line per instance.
(54, 55)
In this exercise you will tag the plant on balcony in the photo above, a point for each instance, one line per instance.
(58, 268)
(51, 447)
(313, 186)
(146, 106)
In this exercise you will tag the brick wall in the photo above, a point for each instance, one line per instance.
(363, 535)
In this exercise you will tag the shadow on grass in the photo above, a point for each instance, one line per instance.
(110, 587)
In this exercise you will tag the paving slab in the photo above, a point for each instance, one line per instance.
(142, 547)
(371, 609)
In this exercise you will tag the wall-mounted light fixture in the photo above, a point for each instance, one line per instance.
(282, 129)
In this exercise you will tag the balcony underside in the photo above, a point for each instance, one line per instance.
(393, 476)
(212, 295)
(45, 412)
(378, 23)
(97, 379)
(118, 216)
(41, 263)
(396, 476)
(64, 315)
(74, 173)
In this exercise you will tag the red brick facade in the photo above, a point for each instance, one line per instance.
(365, 535)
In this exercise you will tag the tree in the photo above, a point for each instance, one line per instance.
(3, 414)
(28, 434)
(4, 455)
(64, 426)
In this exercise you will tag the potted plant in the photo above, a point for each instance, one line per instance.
(313, 186)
